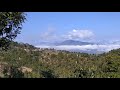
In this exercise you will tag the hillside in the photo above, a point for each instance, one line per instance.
(25, 61)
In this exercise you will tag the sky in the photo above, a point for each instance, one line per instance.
(57, 26)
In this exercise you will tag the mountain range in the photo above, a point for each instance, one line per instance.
(80, 46)
(66, 42)
(73, 42)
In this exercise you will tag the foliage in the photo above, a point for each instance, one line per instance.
(10, 26)
(50, 63)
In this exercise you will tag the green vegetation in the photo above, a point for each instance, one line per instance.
(26, 61)
(10, 26)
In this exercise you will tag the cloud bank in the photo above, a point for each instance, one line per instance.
(104, 48)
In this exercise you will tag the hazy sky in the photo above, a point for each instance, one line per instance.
(51, 26)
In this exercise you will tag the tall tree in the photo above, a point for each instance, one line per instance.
(10, 26)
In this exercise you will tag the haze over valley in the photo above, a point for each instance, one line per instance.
(78, 46)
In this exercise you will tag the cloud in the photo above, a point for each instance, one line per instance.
(79, 34)
(104, 48)
(74, 34)
(49, 34)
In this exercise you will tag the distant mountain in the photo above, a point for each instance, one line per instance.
(73, 42)
(82, 46)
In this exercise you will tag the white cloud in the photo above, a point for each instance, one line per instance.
(74, 34)
(49, 34)
(104, 48)
(79, 34)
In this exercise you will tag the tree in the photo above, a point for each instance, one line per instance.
(10, 26)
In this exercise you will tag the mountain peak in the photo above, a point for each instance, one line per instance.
(73, 42)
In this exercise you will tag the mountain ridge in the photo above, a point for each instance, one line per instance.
(74, 42)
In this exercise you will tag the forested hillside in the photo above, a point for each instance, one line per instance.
(25, 61)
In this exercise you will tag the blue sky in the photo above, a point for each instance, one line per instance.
(50, 26)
